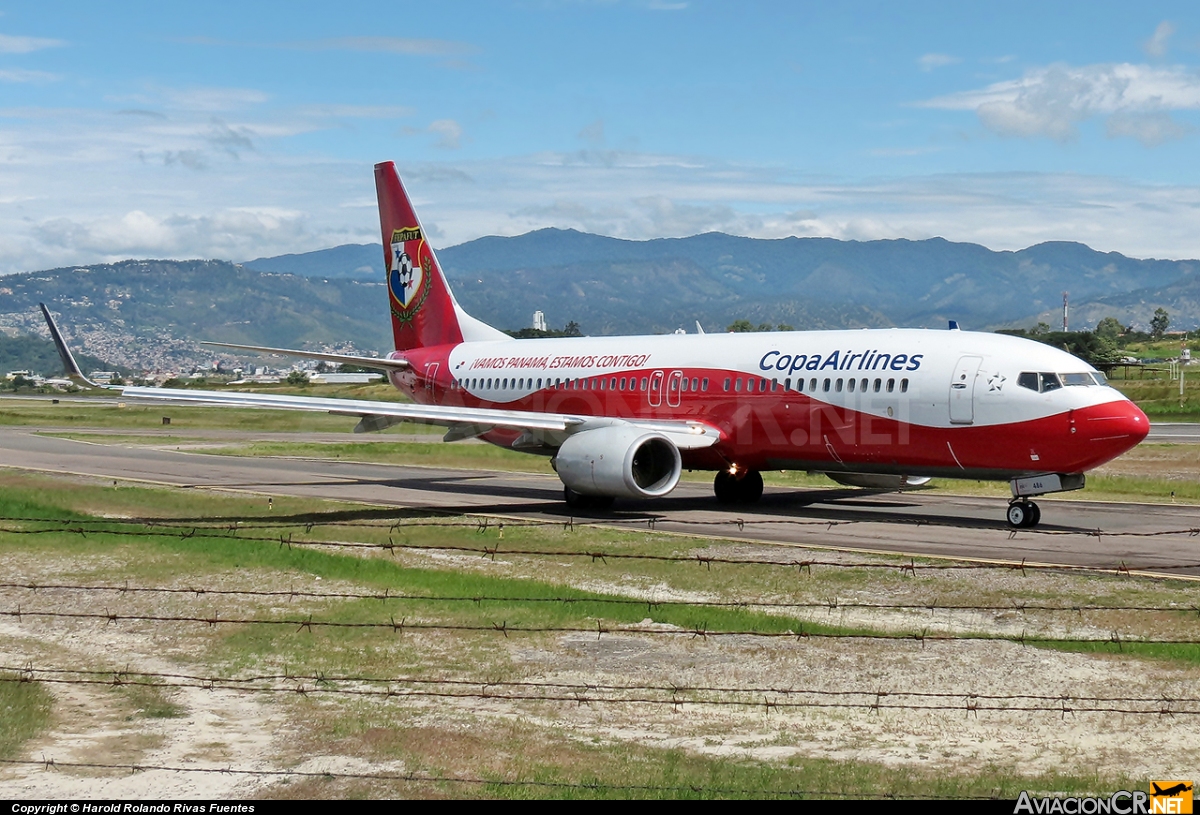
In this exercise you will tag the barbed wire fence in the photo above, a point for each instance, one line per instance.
(767, 699)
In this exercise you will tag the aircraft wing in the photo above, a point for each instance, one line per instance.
(375, 363)
(464, 422)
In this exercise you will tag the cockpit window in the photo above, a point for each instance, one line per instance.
(1100, 378)
(1043, 382)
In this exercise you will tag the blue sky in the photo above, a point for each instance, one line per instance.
(238, 130)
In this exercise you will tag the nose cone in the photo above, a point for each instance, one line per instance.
(1111, 429)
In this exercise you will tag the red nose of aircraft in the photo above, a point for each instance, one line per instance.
(1110, 429)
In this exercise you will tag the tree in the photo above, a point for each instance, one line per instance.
(572, 330)
(1039, 330)
(297, 378)
(740, 327)
(1110, 329)
(1158, 326)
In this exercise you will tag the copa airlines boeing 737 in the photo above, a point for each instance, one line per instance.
(621, 417)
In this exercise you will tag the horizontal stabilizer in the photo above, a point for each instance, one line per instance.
(375, 363)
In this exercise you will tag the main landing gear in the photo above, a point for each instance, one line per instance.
(577, 500)
(1023, 514)
(739, 487)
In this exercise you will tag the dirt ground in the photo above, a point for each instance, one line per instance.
(221, 729)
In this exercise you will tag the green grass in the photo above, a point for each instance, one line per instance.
(25, 712)
(449, 740)
(512, 753)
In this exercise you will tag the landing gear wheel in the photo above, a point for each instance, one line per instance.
(743, 488)
(1023, 514)
(725, 488)
(751, 487)
(577, 500)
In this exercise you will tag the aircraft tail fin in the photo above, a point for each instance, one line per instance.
(70, 366)
(422, 306)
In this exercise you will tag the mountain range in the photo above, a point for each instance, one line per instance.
(151, 313)
(610, 285)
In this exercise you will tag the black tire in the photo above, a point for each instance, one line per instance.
(1018, 515)
(750, 487)
(725, 487)
(575, 500)
(1035, 515)
(579, 501)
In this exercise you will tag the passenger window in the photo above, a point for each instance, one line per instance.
(850, 385)
(877, 384)
(749, 386)
(645, 386)
(762, 385)
(685, 386)
(704, 384)
(826, 386)
(787, 384)
(695, 383)
(904, 386)
(862, 386)
(726, 383)
(891, 386)
(622, 383)
(838, 386)
(1049, 382)
(812, 384)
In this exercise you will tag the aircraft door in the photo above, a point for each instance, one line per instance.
(655, 394)
(962, 390)
(673, 388)
(430, 379)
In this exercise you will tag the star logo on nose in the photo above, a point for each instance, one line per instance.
(995, 382)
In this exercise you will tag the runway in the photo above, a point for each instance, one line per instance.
(1072, 532)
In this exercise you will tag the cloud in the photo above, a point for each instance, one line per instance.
(22, 75)
(356, 111)
(226, 233)
(447, 131)
(24, 45)
(1151, 129)
(229, 139)
(390, 45)
(1157, 45)
(212, 99)
(1051, 101)
(593, 134)
(930, 61)
(149, 114)
(192, 159)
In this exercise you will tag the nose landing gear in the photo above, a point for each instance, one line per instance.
(1023, 514)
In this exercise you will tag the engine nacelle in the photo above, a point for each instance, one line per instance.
(879, 481)
(623, 461)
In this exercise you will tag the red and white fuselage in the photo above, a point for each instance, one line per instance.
(893, 401)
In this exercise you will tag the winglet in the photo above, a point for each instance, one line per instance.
(64, 353)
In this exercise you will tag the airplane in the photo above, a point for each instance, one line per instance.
(623, 416)
(1170, 792)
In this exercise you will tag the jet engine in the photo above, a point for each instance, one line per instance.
(622, 460)
(878, 481)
